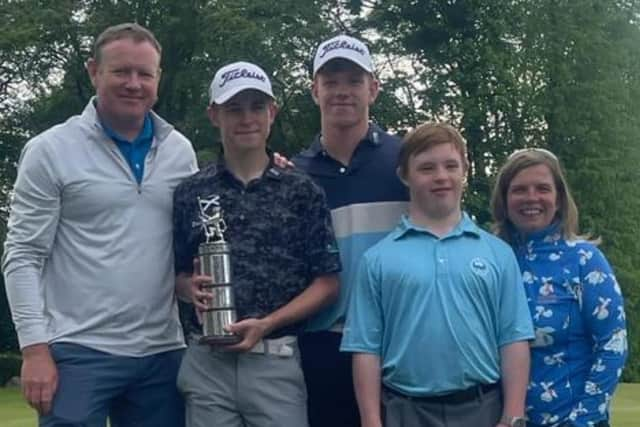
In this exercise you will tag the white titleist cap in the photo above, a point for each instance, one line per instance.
(345, 47)
(234, 78)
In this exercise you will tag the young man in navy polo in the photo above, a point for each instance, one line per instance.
(354, 161)
(284, 261)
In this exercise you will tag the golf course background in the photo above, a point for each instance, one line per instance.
(625, 411)
(510, 74)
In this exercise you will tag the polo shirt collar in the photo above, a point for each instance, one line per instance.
(465, 226)
(372, 138)
(272, 171)
(550, 233)
(145, 134)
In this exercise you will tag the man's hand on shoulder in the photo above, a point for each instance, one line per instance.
(282, 162)
(39, 377)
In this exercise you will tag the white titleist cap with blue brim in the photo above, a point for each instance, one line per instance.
(344, 47)
(234, 78)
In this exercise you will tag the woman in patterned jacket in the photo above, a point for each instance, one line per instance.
(575, 301)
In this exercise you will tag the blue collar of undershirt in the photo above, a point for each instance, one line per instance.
(145, 134)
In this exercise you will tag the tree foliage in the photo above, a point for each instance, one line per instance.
(510, 73)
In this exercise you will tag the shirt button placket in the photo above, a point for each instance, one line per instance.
(441, 260)
(243, 204)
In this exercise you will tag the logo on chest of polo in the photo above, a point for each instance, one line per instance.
(479, 266)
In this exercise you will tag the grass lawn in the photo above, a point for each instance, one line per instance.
(625, 411)
(14, 412)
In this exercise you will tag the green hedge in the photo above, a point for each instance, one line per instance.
(9, 367)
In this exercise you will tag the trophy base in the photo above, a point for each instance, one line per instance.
(220, 340)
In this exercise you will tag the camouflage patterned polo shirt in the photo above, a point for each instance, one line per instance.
(278, 228)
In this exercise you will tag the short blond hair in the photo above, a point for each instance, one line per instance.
(127, 30)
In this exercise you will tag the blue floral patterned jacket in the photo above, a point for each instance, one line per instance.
(581, 338)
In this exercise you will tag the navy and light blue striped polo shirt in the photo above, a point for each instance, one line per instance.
(366, 199)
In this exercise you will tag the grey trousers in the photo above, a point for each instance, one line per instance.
(242, 389)
(483, 411)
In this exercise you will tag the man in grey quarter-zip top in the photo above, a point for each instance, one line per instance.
(88, 260)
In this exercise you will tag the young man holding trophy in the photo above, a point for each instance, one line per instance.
(256, 254)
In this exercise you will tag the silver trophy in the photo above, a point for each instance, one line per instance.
(214, 255)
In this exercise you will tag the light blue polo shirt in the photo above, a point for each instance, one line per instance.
(437, 311)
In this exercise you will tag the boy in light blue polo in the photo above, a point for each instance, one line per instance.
(438, 319)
